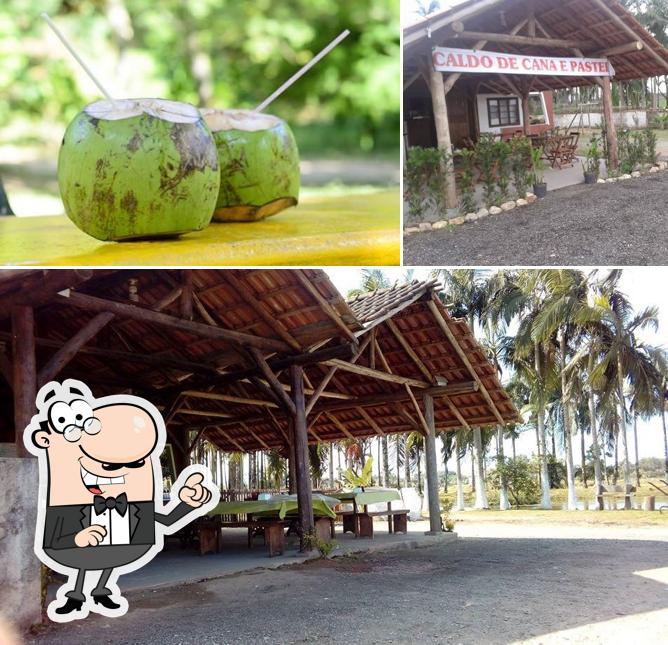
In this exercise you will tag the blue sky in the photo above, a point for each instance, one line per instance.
(643, 285)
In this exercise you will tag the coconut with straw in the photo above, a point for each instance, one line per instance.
(258, 156)
(137, 168)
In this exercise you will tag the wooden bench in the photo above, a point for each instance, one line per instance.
(617, 491)
(272, 532)
(361, 523)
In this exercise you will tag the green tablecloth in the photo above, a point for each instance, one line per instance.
(283, 505)
(368, 496)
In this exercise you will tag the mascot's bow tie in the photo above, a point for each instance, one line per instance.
(120, 503)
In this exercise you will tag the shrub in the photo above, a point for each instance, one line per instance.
(537, 165)
(424, 178)
(467, 201)
(485, 154)
(592, 162)
(521, 476)
(520, 164)
(556, 472)
(651, 155)
(502, 151)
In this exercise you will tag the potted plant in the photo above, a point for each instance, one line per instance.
(538, 167)
(592, 162)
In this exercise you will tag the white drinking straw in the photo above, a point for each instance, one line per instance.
(302, 71)
(76, 56)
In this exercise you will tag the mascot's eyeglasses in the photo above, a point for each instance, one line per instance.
(92, 425)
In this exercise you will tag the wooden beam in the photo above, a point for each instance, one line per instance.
(228, 398)
(398, 397)
(629, 48)
(326, 307)
(396, 332)
(383, 360)
(25, 372)
(624, 27)
(339, 425)
(167, 300)
(186, 301)
(6, 369)
(304, 496)
(256, 437)
(532, 41)
(417, 409)
(464, 358)
(50, 283)
(372, 350)
(455, 15)
(70, 348)
(93, 303)
(230, 438)
(377, 374)
(244, 293)
(455, 410)
(328, 377)
(206, 413)
(376, 428)
(273, 381)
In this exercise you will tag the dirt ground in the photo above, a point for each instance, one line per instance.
(512, 583)
(620, 224)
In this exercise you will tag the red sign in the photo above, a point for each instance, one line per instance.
(446, 59)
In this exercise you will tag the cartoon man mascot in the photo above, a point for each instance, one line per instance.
(100, 501)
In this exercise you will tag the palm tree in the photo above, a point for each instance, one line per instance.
(623, 354)
(567, 291)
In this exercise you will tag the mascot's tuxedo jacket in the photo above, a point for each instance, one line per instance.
(62, 523)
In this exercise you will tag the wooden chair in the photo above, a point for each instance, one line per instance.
(570, 148)
(553, 151)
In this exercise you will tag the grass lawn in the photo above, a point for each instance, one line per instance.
(557, 515)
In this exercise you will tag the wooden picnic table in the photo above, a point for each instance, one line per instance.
(361, 522)
(361, 229)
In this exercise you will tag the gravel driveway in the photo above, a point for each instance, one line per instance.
(614, 224)
(473, 590)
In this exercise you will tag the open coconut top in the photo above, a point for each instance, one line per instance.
(245, 120)
(118, 109)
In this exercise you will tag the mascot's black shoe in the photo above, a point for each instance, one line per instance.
(106, 601)
(70, 606)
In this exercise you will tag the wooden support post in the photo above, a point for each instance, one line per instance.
(432, 468)
(438, 92)
(610, 129)
(186, 301)
(304, 495)
(25, 372)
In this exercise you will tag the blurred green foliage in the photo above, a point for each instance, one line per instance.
(223, 53)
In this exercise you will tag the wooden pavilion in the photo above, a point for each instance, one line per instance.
(601, 29)
(249, 359)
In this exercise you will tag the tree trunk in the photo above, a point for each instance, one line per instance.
(583, 461)
(445, 483)
(386, 462)
(397, 439)
(459, 504)
(545, 500)
(419, 471)
(480, 492)
(5, 208)
(512, 441)
(635, 440)
(504, 505)
(568, 428)
(407, 464)
(622, 428)
(665, 437)
(331, 465)
(473, 478)
(598, 482)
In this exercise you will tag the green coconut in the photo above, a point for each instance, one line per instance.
(138, 168)
(259, 165)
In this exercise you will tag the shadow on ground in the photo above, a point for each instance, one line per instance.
(473, 590)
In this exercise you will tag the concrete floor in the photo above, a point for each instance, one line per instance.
(177, 566)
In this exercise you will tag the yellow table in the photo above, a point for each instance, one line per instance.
(361, 230)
